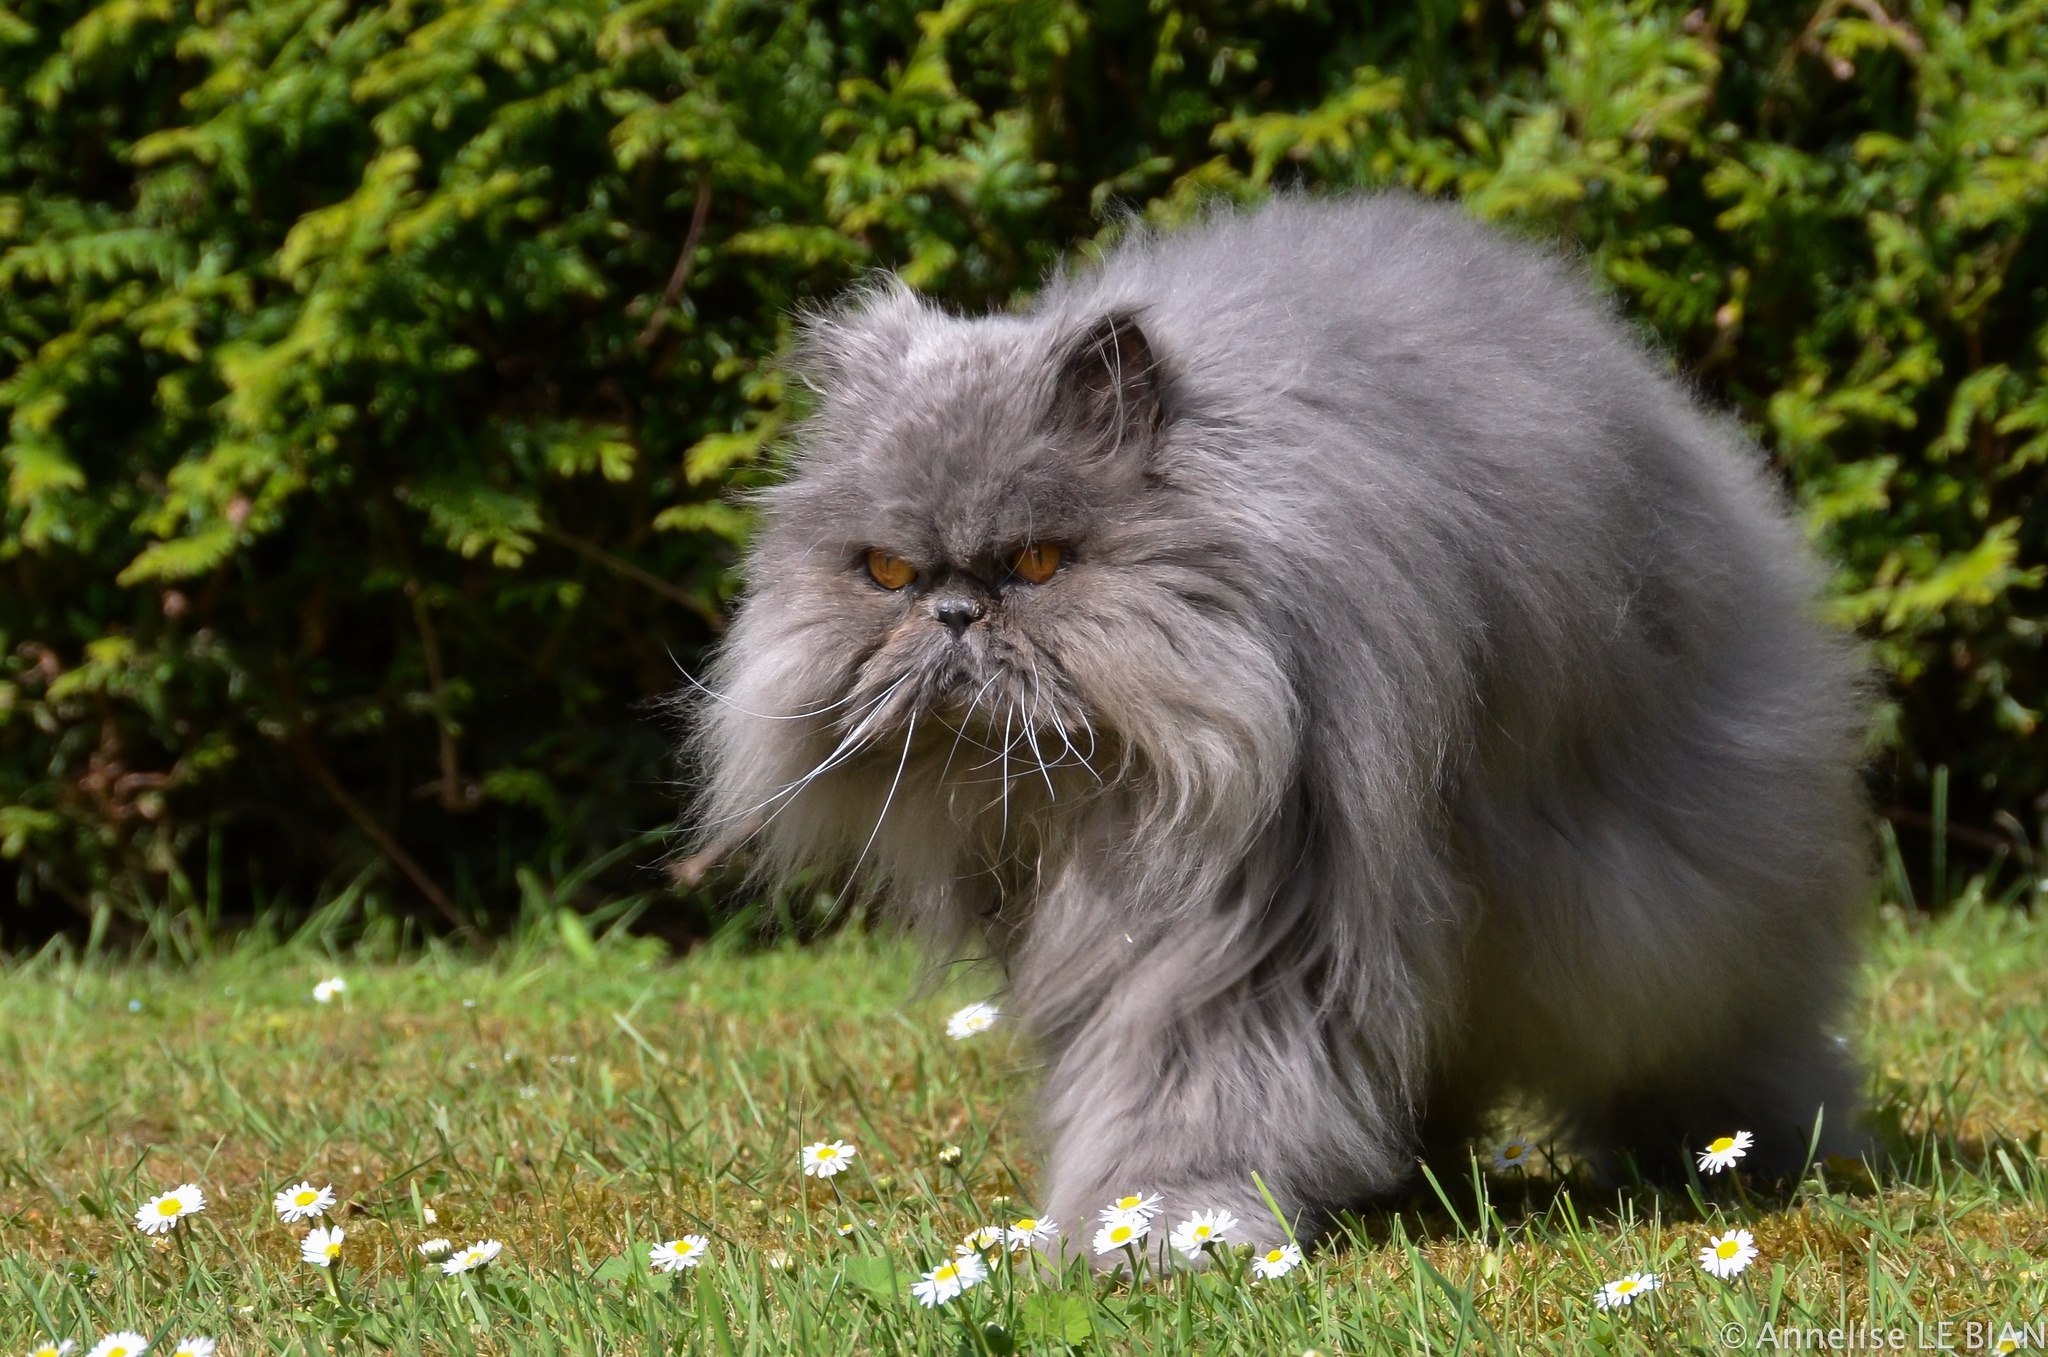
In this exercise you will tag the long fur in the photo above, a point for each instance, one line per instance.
(1430, 709)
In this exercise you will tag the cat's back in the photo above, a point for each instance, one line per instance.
(1354, 297)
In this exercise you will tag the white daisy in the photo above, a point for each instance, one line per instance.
(53, 1348)
(1728, 1254)
(1722, 1153)
(678, 1254)
(1028, 1230)
(827, 1157)
(1122, 1234)
(1199, 1231)
(1277, 1261)
(328, 990)
(778, 1259)
(987, 1239)
(972, 1020)
(1614, 1295)
(436, 1249)
(427, 1215)
(846, 1229)
(123, 1344)
(194, 1347)
(2010, 1340)
(1513, 1155)
(1136, 1206)
(303, 1202)
(949, 1279)
(473, 1257)
(159, 1214)
(322, 1246)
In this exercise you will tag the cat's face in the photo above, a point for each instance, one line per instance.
(980, 589)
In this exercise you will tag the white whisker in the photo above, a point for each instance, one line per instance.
(854, 876)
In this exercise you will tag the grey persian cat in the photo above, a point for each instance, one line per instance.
(1342, 680)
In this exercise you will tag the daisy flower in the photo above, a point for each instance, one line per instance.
(436, 1249)
(53, 1348)
(1028, 1230)
(473, 1257)
(1137, 1206)
(949, 1279)
(1614, 1295)
(303, 1202)
(678, 1254)
(987, 1238)
(193, 1347)
(972, 1021)
(1728, 1254)
(1120, 1234)
(159, 1214)
(827, 1157)
(1277, 1262)
(322, 1245)
(1199, 1231)
(779, 1260)
(1722, 1153)
(1513, 1155)
(123, 1344)
(329, 989)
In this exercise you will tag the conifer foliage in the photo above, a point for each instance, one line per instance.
(382, 377)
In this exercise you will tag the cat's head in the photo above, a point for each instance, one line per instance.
(996, 585)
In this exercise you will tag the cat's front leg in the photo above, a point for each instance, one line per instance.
(1202, 1108)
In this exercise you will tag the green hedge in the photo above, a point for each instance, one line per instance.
(379, 374)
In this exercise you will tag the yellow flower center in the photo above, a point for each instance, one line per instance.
(945, 1272)
(1512, 1152)
(827, 1152)
(1723, 1145)
(169, 1206)
(334, 1250)
(1623, 1288)
(1727, 1248)
(119, 1350)
(305, 1198)
(1121, 1234)
(1201, 1232)
(1275, 1255)
(1028, 1223)
(1127, 1203)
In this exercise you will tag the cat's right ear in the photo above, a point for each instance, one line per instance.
(1107, 394)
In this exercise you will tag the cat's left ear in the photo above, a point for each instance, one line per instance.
(1108, 392)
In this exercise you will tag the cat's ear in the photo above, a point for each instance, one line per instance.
(1108, 390)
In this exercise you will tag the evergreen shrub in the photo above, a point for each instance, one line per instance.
(382, 376)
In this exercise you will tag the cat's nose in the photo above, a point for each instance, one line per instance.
(957, 613)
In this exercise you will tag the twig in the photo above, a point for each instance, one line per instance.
(619, 565)
(684, 261)
(456, 795)
(377, 834)
(1976, 838)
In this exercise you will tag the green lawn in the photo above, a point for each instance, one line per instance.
(580, 1103)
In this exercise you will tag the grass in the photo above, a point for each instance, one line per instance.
(580, 1101)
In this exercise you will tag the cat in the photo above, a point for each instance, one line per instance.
(1345, 683)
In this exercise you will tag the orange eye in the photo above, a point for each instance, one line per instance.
(1037, 562)
(891, 572)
